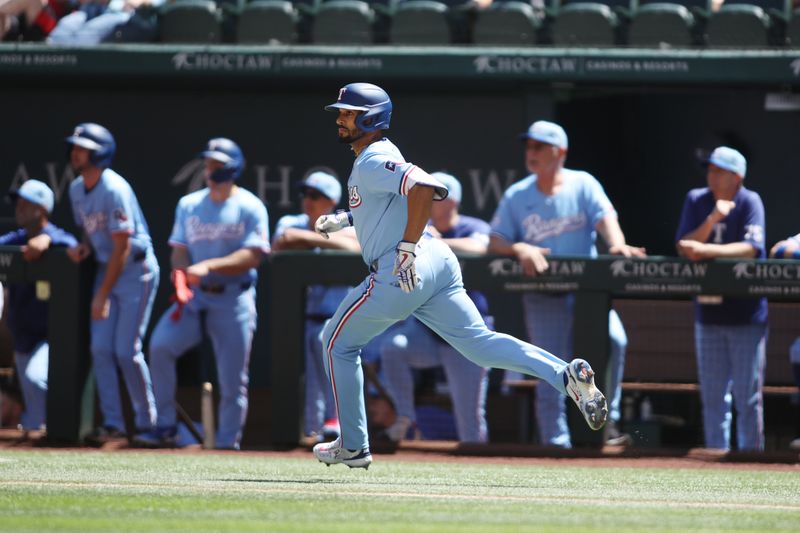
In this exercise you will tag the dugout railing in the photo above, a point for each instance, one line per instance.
(595, 283)
(67, 288)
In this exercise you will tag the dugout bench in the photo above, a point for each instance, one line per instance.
(594, 281)
(68, 287)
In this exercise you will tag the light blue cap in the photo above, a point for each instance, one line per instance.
(729, 159)
(452, 184)
(35, 192)
(325, 183)
(547, 132)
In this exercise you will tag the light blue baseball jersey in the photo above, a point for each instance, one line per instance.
(110, 207)
(377, 191)
(211, 229)
(564, 222)
(321, 300)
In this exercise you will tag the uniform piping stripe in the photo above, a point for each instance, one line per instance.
(353, 308)
(137, 342)
(404, 181)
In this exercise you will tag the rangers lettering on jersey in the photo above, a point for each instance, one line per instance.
(94, 222)
(538, 229)
(210, 231)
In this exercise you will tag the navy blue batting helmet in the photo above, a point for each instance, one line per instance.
(97, 139)
(229, 154)
(371, 99)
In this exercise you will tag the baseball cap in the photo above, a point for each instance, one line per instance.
(35, 192)
(546, 132)
(324, 183)
(452, 184)
(728, 159)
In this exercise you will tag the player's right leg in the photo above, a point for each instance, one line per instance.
(32, 374)
(170, 340)
(367, 310)
(714, 375)
(106, 378)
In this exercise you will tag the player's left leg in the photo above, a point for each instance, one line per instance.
(451, 314)
(231, 324)
(133, 296)
(748, 359)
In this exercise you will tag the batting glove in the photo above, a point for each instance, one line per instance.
(332, 223)
(182, 293)
(404, 267)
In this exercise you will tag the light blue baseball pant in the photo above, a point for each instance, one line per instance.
(413, 345)
(32, 374)
(732, 359)
(319, 405)
(117, 343)
(230, 321)
(548, 319)
(441, 303)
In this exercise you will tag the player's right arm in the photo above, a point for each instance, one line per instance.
(505, 230)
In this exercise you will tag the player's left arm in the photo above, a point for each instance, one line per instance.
(609, 228)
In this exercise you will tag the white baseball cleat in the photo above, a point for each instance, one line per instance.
(332, 453)
(580, 387)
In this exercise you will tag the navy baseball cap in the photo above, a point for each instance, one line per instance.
(452, 184)
(546, 132)
(728, 159)
(325, 183)
(35, 192)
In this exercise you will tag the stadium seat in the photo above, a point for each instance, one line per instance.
(661, 25)
(739, 25)
(343, 22)
(509, 23)
(190, 21)
(268, 22)
(588, 23)
(420, 22)
(695, 6)
(781, 8)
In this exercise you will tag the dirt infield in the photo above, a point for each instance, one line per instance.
(507, 454)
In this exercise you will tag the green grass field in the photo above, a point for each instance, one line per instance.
(122, 491)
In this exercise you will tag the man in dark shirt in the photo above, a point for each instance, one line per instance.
(26, 306)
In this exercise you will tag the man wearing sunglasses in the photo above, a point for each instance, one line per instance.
(320, 193)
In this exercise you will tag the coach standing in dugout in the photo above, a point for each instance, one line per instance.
(559, 211)
(727, 220)
(27, 309)
(219, 239)
(115, 231)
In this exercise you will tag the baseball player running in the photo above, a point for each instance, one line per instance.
(115, 231)
(558, 211)
(219, 239)
(726, 219)
(410, 273)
